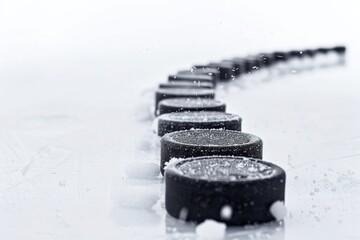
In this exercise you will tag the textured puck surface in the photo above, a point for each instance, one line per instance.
(208, 142)
(165, 93)
(214, 73)
(191, 78)
(185, 84)
(201, 188)
(172, 122)
(190, 104)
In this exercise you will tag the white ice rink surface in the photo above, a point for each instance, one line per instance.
(73, 90)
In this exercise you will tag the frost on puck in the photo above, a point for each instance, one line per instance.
(166, 93)
(208, 142)
(191, 78)
(214, 73)
(172, 122)
(184, 84)
(229, 189)
(190, 104)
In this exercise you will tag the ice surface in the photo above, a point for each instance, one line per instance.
(135, 196)
(215, 137)
(211, 229)
(142, 170)
(220, 168)
(278, 210)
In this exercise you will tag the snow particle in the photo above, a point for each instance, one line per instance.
(278, 210)
(226, 212)
(211, 229)
(183, 214)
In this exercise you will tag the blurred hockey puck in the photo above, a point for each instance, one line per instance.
(214, 73)
(280, 56)
(165, 93)
(323, 50)
(205, 142)
(309, 52)
(229, 189)
(266, 59)
(225, 70)
(190, 104)
(185, 84)
(191, 78)
(172, 122)
(295, 54)
(339, 49)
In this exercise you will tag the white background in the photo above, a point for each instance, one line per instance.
(72, 74)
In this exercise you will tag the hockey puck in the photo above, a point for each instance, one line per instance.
(323, 50)
(206, 142)
(172, 122)
(234, 190)
(214, 73)
(295, 54)
(339, 49)
(266, 59)
(165, 93)
(225, 70)
(191, 78)
(185, 84)
(280, 56)
(309, 52)
(190, 105)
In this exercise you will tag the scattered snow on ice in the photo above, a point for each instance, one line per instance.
(143, 170)
(136, 196)
(226, 212)
(278, 210)
(211, 229)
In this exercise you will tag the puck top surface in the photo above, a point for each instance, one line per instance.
(202, 116)
(223, 168)
(212, 137)
(191, 102)
(185, 92)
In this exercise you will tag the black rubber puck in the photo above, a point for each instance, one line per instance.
(295, 54)
(190, 105)
(225, 71)
(191, 78)
(266, 59)
(229, 189)
(165, 93)
(309, 52)
(179, 121)
(339, 49)
(280, 56)
(323, 50)
(184, 84)
(249, 64)
(236, 67)
(205, 142)
(214, 73)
